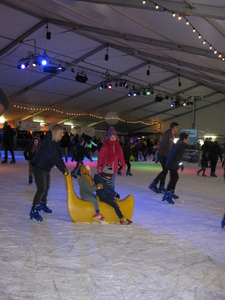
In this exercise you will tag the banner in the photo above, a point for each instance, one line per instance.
(27, 126)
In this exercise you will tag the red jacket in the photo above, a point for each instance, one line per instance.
(110, 153)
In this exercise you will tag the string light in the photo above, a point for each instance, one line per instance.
(193, 28)
(86, 114)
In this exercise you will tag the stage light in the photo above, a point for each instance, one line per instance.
(158, 98)
(172, 104)
(126, 85)
(134, 93)
(80, 77)
(101, 86)
(148, 71)
(148, 92)
(48, 34)
(129, 94)
(50, 69)
(34, 64)
(23, 65)
(110, 86)
(107, 55)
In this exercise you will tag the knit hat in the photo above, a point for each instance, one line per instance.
(84, 170)
(107, 171)
(112, 131)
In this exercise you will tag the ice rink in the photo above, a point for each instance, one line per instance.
(169, 252)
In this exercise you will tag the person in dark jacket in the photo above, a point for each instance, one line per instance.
(65, 144)
(48, 155)
(173, 163)
(127, 153)
(215, 151)
(164, 151)
(4, 102)
(29, 153)
(107, 194)
(204, 163)
(8, 135)
(79, 154)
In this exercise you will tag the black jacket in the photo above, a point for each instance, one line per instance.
(49, 154)
(30, 151)
(65, 142)
(175, 156)
(215, 151)
(80, 152)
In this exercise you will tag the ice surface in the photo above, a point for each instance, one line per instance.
(169, 252)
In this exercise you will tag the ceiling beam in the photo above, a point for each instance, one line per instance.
(21, 38)
(135, 38)
(187, 8)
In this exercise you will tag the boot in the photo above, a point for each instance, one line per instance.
(223, 222)
(167, 197)
(44, 207)
(153, 187)
(12, 161)
(161, 188)
(34, 214)
(172, 195)
(4, 161)
(30, 179)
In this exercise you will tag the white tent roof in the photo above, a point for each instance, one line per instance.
(137, 37)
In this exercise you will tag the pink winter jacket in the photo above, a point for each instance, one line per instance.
(110, 153)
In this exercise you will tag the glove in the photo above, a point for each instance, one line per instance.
(123, 171)
(100, 186)
(66, 172)
(99, 170)
(117, 196)
(182, 168)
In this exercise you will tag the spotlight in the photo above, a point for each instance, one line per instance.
(172, 104)
(23, 65)
(148, 92)
(48, 34)
(129, 94)
(34, 64)
(44, 59)
(110, 86)
(107, 55)
(101, 86)
(184, 104)
(80, 77)
(179, 82)
(148, 71)
(134, 93)
(126, 85)
(158, 98)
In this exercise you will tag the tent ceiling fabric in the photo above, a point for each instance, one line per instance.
(137, 37)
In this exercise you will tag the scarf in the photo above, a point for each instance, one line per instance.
(111, 146)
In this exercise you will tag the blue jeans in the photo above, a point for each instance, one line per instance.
(93, 200)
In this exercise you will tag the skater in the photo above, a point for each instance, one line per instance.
(223, 221)
(107, 194)
(87, 188)
(164, 150)
(65, 144)
(110, 153)
(127, 154)
(204, 163)
(78, 155)
(4, 102)
(48, 155)
(8, 135)
(215, 151)
(29, 153)
(173, 163)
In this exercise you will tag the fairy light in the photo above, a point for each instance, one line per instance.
(85, 114)
(193, 28)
